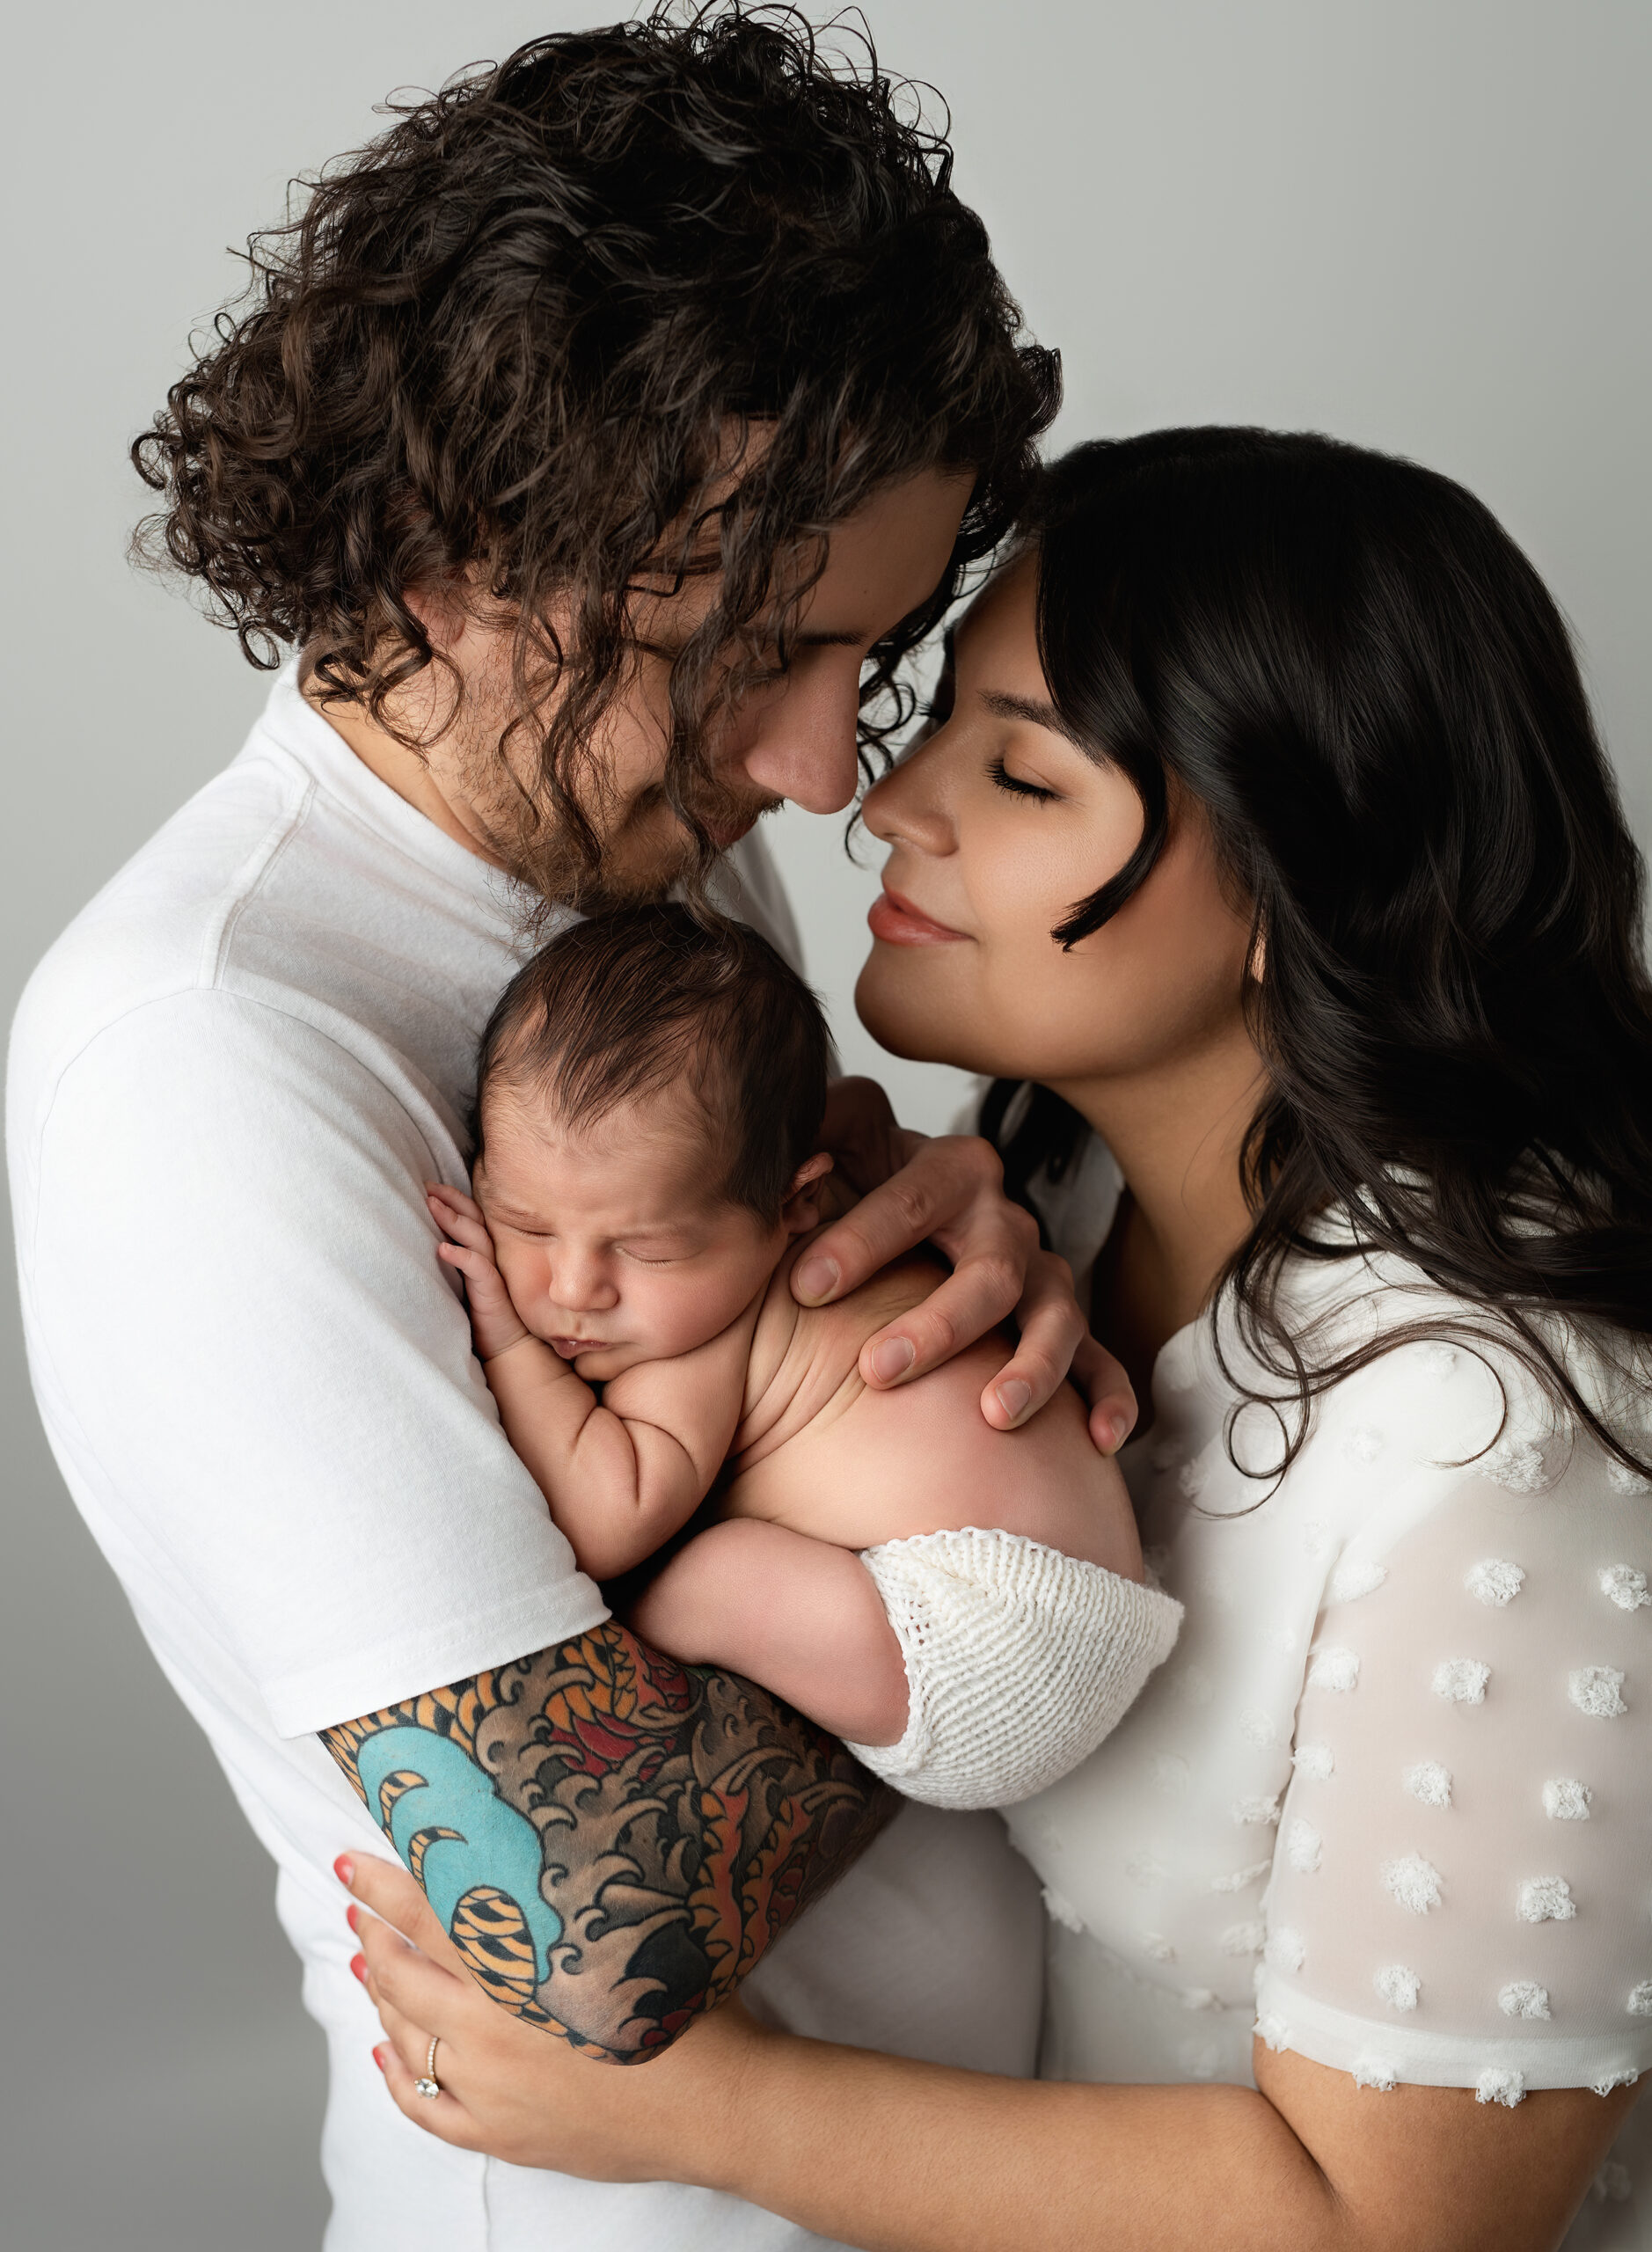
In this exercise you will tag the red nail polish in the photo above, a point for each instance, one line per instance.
(358, 1967)
(353, 1916)
(344, 1869)
(378, 2059)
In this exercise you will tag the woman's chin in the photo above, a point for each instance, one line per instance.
(909, 1022)
(891, 1026)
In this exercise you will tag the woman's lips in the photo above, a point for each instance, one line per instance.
(899, 923)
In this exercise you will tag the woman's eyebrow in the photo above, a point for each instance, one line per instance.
(1032, 708)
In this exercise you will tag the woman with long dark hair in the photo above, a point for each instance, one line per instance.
(1264, 859)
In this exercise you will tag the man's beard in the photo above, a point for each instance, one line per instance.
(645, 852)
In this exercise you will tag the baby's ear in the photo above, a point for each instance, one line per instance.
(801, 1209)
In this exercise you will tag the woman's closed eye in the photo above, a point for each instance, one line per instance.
(1017, 785)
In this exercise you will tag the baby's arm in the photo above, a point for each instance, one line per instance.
(801, 1618)
(619, 1480)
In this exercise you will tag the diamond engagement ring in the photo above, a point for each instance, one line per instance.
(429, 2086)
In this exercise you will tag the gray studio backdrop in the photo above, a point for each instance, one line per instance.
(1420, 223)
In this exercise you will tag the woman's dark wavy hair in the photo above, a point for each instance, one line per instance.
(1348, 665)
(515, 345)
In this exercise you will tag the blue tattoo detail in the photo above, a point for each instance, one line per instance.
(470, 1836)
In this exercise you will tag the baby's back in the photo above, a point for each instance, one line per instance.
(820, 1452)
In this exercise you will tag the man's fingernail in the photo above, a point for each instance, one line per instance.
(358, 1967)
(893, 1358)
(818, 1278)
(378, 2059)
(344, 1869)
(1120, 1427)
(1013, 1397)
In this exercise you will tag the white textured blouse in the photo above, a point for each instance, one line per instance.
(1389, 1803)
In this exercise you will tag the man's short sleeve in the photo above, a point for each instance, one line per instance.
(257, 1375)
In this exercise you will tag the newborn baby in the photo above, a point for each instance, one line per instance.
(964, 1606)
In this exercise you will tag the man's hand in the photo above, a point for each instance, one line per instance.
(949, 1191)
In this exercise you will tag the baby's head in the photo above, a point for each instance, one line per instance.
(648, 1094)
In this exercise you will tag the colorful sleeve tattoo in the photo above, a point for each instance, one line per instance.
(612, 1839)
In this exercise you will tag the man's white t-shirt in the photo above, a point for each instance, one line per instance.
(228, 1079)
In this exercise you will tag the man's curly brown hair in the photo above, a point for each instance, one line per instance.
(512, 346)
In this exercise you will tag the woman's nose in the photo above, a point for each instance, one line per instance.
(909, 806)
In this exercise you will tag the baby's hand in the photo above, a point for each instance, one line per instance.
(495, 1324)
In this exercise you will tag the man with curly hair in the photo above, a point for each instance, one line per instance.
(589, 453)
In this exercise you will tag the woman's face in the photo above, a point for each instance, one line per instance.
(999, 824)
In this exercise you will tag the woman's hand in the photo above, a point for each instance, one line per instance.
(949, 1191)
(521, 2093)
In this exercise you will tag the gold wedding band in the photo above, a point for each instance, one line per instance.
(429, 2086)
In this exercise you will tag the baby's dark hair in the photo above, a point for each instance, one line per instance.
(630, 1003)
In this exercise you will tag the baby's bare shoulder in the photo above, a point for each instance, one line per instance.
(832, 1457)
(803, 1359)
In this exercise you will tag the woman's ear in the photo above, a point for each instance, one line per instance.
(801, 1209)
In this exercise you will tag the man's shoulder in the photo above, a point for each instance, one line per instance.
(159, 928)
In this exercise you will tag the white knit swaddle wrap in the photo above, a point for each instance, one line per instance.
(1018, 1661)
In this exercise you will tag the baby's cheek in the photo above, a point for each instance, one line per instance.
(689, 1309)
(526, 1288)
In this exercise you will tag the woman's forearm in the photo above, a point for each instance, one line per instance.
(894, 2156)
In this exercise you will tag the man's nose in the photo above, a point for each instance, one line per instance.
(803, 745)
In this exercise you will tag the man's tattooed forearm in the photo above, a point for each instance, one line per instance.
(612, 1839)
